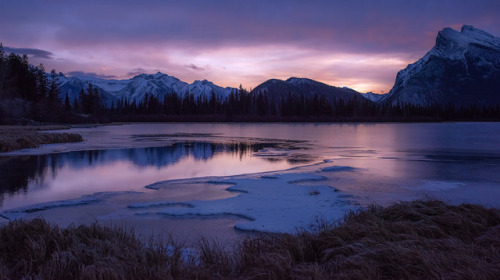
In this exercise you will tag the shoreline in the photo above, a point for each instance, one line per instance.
(14, 138)
(419, 239)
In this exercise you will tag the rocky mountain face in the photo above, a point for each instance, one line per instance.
(275, 90)
(160, 84)
(462, 69)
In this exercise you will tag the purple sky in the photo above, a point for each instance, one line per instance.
(359, 44)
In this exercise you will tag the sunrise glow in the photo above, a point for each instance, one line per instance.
(361, 44)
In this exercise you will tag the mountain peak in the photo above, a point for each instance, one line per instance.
(203, 82)
(461, 69)
(450, 42)
(159, 74)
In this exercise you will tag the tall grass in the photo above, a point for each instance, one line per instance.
(409, 240)
(15, 138)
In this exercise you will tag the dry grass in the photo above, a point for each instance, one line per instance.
(410, 240)
(21, 137)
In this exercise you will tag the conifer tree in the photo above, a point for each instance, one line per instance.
(2, 71)
(67, 103)
(41, 82)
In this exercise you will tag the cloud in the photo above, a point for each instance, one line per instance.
(36, 53)
(90, 74)
(136, 71)
(285, 37)
(194, 67)
(370, 26)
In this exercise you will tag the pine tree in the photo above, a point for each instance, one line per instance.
(95, 100)
(67, 103)
(2, 53)
(76, 106)
(212, 103)
(41, 82)
(2, 71)
(84, 106)
(53, 93)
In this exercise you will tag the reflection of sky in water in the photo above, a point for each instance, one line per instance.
(69, 175)
(390, 159)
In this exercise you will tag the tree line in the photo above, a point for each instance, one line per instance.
(29, 94)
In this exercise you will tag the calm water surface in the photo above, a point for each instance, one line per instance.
(457, 162)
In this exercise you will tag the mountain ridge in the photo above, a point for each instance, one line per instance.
(135, 88)
(462, 69)
(275, 89)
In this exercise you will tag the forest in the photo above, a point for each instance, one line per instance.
(28, 94)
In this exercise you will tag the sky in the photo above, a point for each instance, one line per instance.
(358, 44)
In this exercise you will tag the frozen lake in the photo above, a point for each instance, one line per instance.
(223, 180)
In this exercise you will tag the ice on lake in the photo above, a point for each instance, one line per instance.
(221, 180)
(278, 203)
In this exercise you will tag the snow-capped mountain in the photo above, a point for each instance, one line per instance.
(157, 85)
(136, 88)
(276, 89)
(205, 88)
(463, 69)
(73, 85)
(375, 97)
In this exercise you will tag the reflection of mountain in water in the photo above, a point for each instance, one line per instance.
(17, 172)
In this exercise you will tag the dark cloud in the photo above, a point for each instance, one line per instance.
(90, 74)
(136, 71)
(36, 53)
(194, 67)
(368, 26)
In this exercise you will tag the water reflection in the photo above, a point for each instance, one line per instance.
(16, 173)
(63, 175)
(157, 156)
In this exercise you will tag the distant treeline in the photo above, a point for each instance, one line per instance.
(28, 93)
(245, 106)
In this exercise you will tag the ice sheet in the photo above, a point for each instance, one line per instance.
(20, 212)
(278, 203)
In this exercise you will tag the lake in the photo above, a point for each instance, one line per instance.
(223, 180)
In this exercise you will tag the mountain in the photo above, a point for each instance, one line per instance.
(73, 85)
(275, 90)
(375, 97)
(157, 85)
(205, 88)
(136, 88)
(463, 69)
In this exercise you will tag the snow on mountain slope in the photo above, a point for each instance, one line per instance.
(73, 85)
(205, 88)
(107, 85)
(157, 85)
(463, 69)
(375, 97)
(136, 88)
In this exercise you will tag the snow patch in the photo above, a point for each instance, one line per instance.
(20, 212)
(268, 204)
(337, 168)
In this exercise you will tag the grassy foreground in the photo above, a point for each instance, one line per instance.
(409, 240)
(22, 137)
